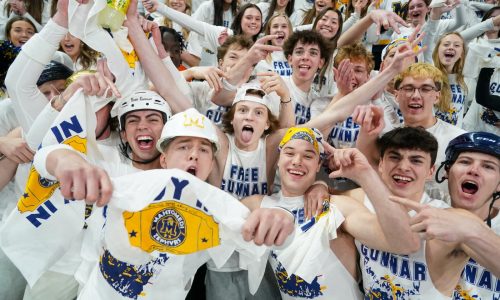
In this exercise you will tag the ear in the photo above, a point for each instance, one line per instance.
(267, 125)
(319, 165)
(220, 63)
(438, 96)
(380, 165)
(431, 173)
(123, 135)
(321, 63)
(163, 161)
(289, 59)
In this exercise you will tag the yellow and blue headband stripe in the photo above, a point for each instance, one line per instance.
(311, 135)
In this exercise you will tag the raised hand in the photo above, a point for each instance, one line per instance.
(150, 5)
(448, 225)
(344, 75)
(387, 20)
(370, 117)
(272, 82)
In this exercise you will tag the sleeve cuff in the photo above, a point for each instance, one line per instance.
(41, 158)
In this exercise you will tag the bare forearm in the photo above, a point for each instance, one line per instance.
(8, 168)
(344, 107)
(155, 70)
(484, 244)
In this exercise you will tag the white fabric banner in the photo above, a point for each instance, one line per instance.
(159, 224)
(44, 225)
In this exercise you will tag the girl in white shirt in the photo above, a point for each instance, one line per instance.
(449, 57)
(279, 25)
(83, 57)
(37, 11)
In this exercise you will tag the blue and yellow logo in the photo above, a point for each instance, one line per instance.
(172, 227)
(39, 189)
(168, 228)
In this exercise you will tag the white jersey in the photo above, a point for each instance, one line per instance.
(201, 93)
(332, 281)
(245, 172)
(444, 133)
(392, 276)
(278, 63)
(455, 115)
(477, 282)
(302, 101)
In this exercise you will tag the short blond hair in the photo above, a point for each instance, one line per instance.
(424, 71)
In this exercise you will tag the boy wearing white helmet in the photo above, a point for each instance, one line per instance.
(141, 117)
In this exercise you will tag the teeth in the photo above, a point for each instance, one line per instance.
(295, 172)
(144, 138)
(415, 106)
(401, 178)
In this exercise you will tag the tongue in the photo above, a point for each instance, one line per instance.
(246, 135)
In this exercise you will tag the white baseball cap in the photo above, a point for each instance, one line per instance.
(267, 99)
(188, 123)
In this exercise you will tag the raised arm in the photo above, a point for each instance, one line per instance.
(24, 72)
(391, 221)
(241, 71)
(152, 64)
(343, 108)
(381, 18)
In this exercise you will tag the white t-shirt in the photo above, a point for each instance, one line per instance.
(278, 64)
(394, 276)
(303, 101)
(455, 115)
(245, 172)
(331, 280)
(476, 281)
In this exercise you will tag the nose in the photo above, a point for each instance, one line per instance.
(404, 165)
(474, 169)
(297, 160)
(193, 154)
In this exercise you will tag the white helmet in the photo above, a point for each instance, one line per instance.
(140, 100)
(188, 123)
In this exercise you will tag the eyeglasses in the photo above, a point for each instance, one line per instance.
(423, 90)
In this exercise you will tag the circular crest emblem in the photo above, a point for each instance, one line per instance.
(44, 182)
(168, 228)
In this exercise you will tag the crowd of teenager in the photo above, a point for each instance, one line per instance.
(313, 149)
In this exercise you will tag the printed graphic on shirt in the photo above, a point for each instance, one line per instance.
(216, 112)
(302, 114)
(127, 279)
(396, 267)
(167, 225)
(477, 283)
(39, 189)
(489, 117)
(344, 135)
(456, 108)
(282, 68)
(244, 182)
(294, 285)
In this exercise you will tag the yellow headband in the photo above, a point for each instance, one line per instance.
(311, 135)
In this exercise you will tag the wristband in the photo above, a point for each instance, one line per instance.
(285, 102)
(228, 86)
